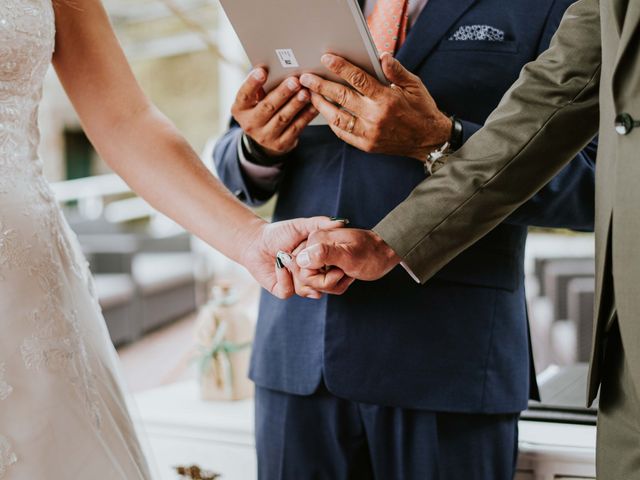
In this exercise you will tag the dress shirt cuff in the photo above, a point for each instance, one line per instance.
(265, 178)
(410, 272)
(392, 236)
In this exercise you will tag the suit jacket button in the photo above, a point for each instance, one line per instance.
(625, 123)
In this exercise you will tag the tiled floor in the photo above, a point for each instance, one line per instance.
(160, 358)
(165, 355)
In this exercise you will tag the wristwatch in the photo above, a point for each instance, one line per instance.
(457, 137)
(435, 158)
(254, 153)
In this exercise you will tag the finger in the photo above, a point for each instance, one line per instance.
(291, 134)
(356, 77)
(341, 287)
(339, 94)
(300, 247)
(306, 226)
(269, 106)
(251, 89)
(299, 285)
(319, 255)
(344, 285)
(395, 71)
(282, 120)
(331, 279)
(334, 282)
(284, 287)
(338, 121)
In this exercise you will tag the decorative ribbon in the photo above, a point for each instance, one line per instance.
(218, 357)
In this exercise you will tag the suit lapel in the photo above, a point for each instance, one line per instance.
(434, 22)
(629, 35)
(618, 11)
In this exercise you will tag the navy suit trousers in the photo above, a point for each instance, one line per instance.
(323, 437)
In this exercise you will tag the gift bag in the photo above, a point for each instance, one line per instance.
(224, 334)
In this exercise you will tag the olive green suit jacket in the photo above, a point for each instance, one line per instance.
(589, 75)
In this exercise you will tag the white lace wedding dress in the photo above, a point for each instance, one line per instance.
(62, 413)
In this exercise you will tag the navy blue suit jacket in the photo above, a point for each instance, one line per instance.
(460, 342)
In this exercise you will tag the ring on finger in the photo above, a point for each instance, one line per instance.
(351, 125)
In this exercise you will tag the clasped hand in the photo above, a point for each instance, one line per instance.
(329, 261)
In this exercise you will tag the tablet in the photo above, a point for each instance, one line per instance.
(289, 37)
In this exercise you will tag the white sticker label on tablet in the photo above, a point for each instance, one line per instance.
(287, 58)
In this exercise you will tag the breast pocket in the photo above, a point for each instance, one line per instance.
(505, 46)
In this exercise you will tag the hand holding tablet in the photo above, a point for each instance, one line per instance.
(289, 37)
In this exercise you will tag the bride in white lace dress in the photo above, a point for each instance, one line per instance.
(62, 413)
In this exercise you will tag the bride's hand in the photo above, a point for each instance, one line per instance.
(268, 239)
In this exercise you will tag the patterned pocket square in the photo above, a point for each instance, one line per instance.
(478, 32)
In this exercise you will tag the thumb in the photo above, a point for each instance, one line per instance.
(395, 72)
(284, 287)
(319, 255)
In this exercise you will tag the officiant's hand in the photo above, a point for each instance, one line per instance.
(266, 240)
(400, 119)
(275, 120)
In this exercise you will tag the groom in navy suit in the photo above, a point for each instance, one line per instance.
(395, 380)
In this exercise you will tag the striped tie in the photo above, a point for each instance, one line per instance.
(388, 24)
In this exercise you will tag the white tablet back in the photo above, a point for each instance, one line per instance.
(290, 36)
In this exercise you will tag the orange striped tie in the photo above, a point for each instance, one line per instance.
(388, 24)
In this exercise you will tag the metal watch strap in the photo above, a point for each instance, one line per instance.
(435, 159)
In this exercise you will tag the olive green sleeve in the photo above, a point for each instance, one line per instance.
(543, 121)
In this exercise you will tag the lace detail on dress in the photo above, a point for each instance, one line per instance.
(27, 38)
(34, 241)
(5, 388)
(13, 252)
(58, 342)
(7, 456)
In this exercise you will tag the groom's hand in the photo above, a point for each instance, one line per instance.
(328, 280)
(358, 254)
(268, 239)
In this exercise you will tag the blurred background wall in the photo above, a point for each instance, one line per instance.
(177, 49)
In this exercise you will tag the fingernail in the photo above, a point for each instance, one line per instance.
(259, 74)
(303, 259)
(327, 60)
(339, 219)
(303, 96)
(283, 259)
(292, 84)
(313, 111)
(306, 80)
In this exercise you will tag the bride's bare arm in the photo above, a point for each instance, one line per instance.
(144, 147)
